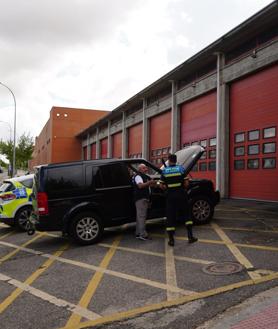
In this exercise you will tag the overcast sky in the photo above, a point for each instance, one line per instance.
(98, 53)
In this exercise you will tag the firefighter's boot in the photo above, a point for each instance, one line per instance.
(171, 241)
(191, 238)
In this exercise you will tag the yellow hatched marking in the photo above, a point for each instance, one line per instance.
(10, 299)
(102, 270)
(235, 251)
(157, 254)
(248, 230)
(225, 243)
(6, 235)
(171, 277)
(179, 301)
(75, 319)
(12, 253)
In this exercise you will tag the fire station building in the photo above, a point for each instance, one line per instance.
(224, 98)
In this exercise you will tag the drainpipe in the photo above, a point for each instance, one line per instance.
(222, 130)
(145, 132)
(109, 140)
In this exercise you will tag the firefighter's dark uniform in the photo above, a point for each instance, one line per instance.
(176, 201)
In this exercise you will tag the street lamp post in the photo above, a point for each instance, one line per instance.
(13, 169)
(10, 128)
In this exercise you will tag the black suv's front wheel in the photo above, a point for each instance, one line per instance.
(201, 209)
(86, 228)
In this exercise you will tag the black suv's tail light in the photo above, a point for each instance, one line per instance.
(42, 200)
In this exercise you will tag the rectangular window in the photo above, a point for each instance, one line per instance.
(269, 163)
(159, 152)
(212, 165)
(195, 143)
(202, 166)
(254, 135)
(239, 138)
(212, 141)
(239, 164)
(153, 153)
(165, 150)
(269, 147)
(269, 132)
(114, 175)
(212, 154)
(203, 143)
(239, 151)
(253, 164)
(253, 149)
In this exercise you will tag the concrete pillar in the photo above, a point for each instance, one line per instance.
(124, 137)
(97, 145)
(222, 131)
(88, 147)
(109, 140)
(175, 120)
(145, 132)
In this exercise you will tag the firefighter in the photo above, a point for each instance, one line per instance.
(173, 180)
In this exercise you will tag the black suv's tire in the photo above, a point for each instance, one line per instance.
(22, 217)
(201, 209)
(86, 228)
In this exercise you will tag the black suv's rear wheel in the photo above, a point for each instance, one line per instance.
(22, 217)
(201, 209)
(86, 228)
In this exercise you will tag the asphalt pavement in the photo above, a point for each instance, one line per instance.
(47, 281)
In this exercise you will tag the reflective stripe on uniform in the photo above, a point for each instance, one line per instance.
(172, 175)
(170, 228)
(189, 222)
(174, 185)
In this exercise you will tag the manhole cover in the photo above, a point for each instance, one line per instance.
(224, 268)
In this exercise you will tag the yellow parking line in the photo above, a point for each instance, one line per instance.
(235, 251)
(12, 253)
(74, 320)
(17, 292)
(5, 235)
(179, 301)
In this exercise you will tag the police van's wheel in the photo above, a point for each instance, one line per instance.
(201, 209)
(86, 228)
(22, 217)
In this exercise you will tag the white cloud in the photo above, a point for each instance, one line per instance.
(99, 53)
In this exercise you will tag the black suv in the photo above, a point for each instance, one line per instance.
(82, 198)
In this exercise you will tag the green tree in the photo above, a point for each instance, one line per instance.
(24, 150)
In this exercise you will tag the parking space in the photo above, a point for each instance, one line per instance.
(46, 281)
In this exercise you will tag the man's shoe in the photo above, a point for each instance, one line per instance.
(144, 237)
(171, 242)
(192, 240)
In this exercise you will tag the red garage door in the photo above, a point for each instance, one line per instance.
(135, 141)
(93, 151)
(117, 145)
(198, 126)
(253, 136)
(160, 137)
(103, 148)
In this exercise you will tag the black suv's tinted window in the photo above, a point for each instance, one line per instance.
(68, 180)
(112, 175)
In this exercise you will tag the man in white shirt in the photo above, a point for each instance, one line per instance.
(142, 184)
